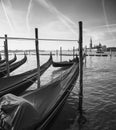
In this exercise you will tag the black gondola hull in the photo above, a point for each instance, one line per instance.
(19, 83)
(12, 67)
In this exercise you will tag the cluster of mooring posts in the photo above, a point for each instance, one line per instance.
(61, 54)
(81, 118)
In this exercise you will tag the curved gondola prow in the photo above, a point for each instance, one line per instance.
(12, 67)
(25, 53)
(51, 58)
(18, 64)
(9, 62)
(46, 65)
(15, 55)
(21, 62)
(13, 60)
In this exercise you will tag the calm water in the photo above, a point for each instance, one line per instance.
(99, 94)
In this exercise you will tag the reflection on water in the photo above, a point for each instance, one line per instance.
(99, 94)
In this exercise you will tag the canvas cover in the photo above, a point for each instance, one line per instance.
(16, 113)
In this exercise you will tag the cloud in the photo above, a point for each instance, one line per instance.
(14, 18)
(64, 19)
(103, 27)
(53, 31)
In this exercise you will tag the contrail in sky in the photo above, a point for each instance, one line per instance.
(28, 12)
(102, 28)
(8, 20)
(64, 19)
(106, 19)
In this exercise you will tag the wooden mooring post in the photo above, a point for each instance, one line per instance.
(80, 66)
(110, 52)
(56, 52)
(85, 54)
(73, 52)
(60, 54)
(81, 119)
(6, 55)
(37, 57)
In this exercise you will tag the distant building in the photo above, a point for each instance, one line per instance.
(100, 47)
(111, 49)
(104, 48)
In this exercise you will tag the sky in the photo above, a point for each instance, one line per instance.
(58, 19)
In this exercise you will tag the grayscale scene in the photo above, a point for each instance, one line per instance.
(57, 65)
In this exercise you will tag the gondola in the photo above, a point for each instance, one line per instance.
(12, 67)
(65, 63)
(10, 61)
(34, 110)
(19, 83)
(62, 64)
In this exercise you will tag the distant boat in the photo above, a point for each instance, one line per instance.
(62, 64)
(65, 63)
(34, 110)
